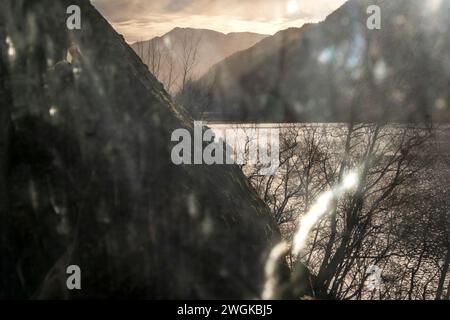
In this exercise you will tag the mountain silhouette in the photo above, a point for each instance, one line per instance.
(339, 70)
(164, 55)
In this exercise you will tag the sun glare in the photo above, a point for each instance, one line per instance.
(433, 5)
(292, 6)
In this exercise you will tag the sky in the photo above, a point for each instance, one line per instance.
(141, 20)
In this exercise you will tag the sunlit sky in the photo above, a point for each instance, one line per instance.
(145, 19)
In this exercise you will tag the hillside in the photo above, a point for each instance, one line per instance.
(339, 70)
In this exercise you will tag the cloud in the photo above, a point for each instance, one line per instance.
(144, 19)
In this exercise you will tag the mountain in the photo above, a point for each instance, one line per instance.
(339, 70)
(199, 49)
(86, 176)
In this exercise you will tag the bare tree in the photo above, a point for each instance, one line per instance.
(154, 57)
(140, 50)
(188, 57)
(365, 228)
(171, 76)
(160, 62)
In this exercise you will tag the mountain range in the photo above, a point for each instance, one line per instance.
(196, 50)
(339, 70)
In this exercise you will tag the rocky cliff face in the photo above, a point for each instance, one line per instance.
(91, 181)
(5, 105)
(340, 70)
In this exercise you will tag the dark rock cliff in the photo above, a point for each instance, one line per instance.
(91, 181)
(5, 105)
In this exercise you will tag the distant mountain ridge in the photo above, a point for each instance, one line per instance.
(339, 70)
(166, 55)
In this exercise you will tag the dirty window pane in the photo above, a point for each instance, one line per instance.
(225, 149)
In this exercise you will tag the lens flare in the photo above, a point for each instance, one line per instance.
(350, 181)
(433, 5)
(310, 219)
(11, 48)
(277, 253)
(320, 208)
